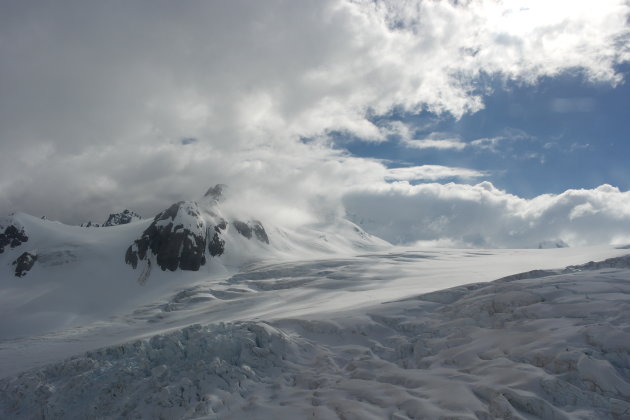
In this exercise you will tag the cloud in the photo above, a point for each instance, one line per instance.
(430, 173)
(435, 140)
(442, 144)
(484, 216)
(450, 141)
(508, 134)
(488, 143)
(97, 96)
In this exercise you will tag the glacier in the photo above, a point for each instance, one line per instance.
(322, 322)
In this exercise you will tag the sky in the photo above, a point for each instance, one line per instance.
(559, 134)
(474, 123)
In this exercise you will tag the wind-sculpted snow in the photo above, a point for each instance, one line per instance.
(550, 344)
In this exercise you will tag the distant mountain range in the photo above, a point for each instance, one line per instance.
(184, 236)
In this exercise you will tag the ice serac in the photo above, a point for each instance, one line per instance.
(24, 263)
(122, 218)
(13, 236)
(176, 238)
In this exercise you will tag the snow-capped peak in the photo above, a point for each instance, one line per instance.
(122, 218)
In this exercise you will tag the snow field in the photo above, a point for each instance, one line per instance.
(549, 344)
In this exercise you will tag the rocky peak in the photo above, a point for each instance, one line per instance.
(176, 238)
(122, 218)
(216, 193)
(90, 224)
(179, 236)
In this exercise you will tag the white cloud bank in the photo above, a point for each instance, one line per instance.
(97, 97)
(442, 144)
(484, 216)
(430, 173)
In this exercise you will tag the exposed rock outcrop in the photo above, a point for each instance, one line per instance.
(222, 225)
(13, 236)
(252, 228)
(216, 245)
(177, 239)
(122, 218)
(24, 263)
(259, 231)
(183, 237)
(242, 228)
(90, 224)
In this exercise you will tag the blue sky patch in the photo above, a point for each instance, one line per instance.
(563, 132)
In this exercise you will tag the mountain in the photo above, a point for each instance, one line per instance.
(70, 275)
(206, 311)
(122, 218)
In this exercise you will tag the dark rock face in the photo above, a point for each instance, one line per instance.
(260, 232)
(12, 237)
(216, 245)
(133, 254)
(24, 263)
(126, 216)
(251, 228)
(222, 225)
(177, 239)
(243, 228)
(90, 224)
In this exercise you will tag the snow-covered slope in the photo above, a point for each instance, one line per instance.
(549, 344)
(201, 312)
(55, 276)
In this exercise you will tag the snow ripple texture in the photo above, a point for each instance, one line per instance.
(551, 345)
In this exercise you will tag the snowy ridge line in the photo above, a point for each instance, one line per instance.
(615, 262)
(450, 295)
(525, 348)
